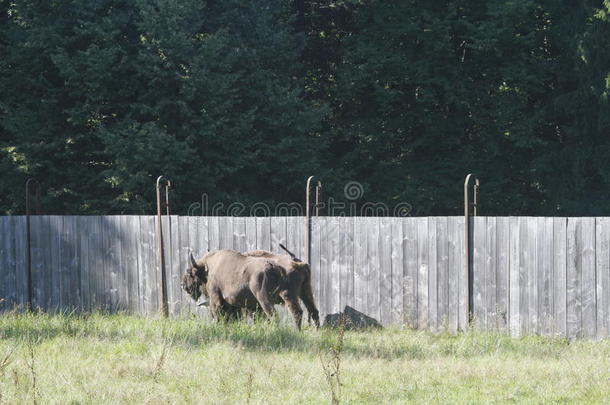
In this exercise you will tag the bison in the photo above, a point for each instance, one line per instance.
(232, 281)
(296, 284)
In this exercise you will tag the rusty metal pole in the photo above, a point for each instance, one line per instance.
(308, 220)
(29, 235)
(318, 197)
(160, 245)
(308, 213)
(467, 261)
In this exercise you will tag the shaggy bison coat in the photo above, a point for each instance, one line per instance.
(232, 281)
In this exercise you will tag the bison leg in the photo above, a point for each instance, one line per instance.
(307, 298)
(230, 314)
(215, 303)
(219, 308)
(260, 287)
(292, 302)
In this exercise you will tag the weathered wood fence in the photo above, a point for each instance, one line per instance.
(530, 275)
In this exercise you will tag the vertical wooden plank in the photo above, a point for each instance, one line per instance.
(502, 272)
(263, 233)
(326, 236)
(130, 253)
(532, 274)
(147, 247)
(181, 263)
(171, 247)
(122, 303)
(334, 259)
(397, 243)
(193, 236)
(198, 236)
(104, 286)
(187, 305)
(48, 270)
(346, 259)
(545, 275)
(385, 274)
(172, 241)
(559, 275)
(112, 242)
(19, 295)
(340, 271)
(225, 232)
(4, 266)
(374, 268)
(104, 276)
(39, 266)
(325, 265)
(350, 260)
(602, 267)
(454, 269)
(68, 264)
(85, 226)
(250, 223)
(589, 310)
(300, 238)
(315, 258)
(524, 265)
(94, 263)
(9, 278)
(14, 289)
(214, 231)
(478, 249)
(410, 251)
(514, 284)
(360, 264)
(278, 233)
(463, 321)
(203, 236)
(491, 284)
(422, 272)
(56, 230)
(442, 268)
(78, 228)
(142, 240)
(239, 233)
(293, 225)
(432, 276)
(574, 278)
(8, 263)
(147, 263)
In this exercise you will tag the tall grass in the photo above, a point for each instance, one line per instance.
(118, 359)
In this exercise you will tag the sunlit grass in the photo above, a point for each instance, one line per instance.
(117, 359)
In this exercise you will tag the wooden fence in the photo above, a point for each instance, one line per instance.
(530, 275)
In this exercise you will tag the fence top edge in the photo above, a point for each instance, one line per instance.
(303, 217)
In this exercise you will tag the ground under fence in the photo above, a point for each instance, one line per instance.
(529, 275)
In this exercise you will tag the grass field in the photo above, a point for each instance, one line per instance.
(114, 359)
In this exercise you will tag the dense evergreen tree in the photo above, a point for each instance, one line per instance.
(244, 100)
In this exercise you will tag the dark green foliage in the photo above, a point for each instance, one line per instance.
(244, 100)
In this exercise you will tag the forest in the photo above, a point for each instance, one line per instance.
(243, 100)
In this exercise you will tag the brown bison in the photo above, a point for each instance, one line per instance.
(232, 281)
(296, 284)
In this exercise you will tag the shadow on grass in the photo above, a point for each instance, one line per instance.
(264, 337)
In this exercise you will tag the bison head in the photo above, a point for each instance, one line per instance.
(195, 279)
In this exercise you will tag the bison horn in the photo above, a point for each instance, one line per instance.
(193, 261)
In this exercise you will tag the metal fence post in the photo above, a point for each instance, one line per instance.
(28, 183)
(160, 245)
(467, 259)
(308, 214)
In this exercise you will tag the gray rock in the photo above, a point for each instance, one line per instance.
(353, 320)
